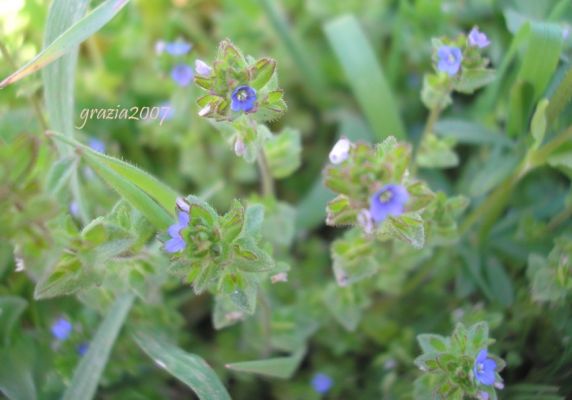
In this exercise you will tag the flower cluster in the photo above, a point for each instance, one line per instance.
(459, 65)
(222, 254)
(460, 366)
(238, 85)
(373, 187)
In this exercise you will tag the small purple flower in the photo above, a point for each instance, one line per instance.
(483, 396)
(478, 38)
(82, 348)
(365, 221)
(202, 68)
(322, 383)
(74, 208)
(96, 145)
(389, 200)
(182, 74)
(61, 329)
(484, 368)
(450, 59)
(177, 243)
(243, 99)
(178, 48)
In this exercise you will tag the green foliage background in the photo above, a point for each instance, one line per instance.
(349, 68)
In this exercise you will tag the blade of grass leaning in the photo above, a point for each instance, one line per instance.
(71, 37)
(312, 75)
(280, 367)
(190, 369)
(163, 194)
(87, 374)
(312, 209)
(59, 85)
(365, 76)
(560, 98)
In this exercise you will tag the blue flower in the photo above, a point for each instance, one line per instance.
(389, 200)
(177, 243)
(61, 329)
(322, 383)
(243, 99)
(182, 74)
(82, 348)
(74, 208)
(484, 368)
(178, 48)
(450, 59)
(478, 39)
(96, 145)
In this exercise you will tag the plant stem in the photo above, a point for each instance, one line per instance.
(493, 206)
(33, 101)
(265, 174)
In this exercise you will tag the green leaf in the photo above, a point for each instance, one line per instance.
(280, 367)
(67, 277)
(190, 369)
(560, 98)
(365, 76)
(154, 188)
(283, 153)
(538, 123)
(60, 174)
(261, 72)
(71, 37)
(468, 132)
(473, 79)
(302, 59)
(437, 153)
(431, 343)
(17, 372)
(87, 374)
(11, 308)
(542, 56)
(133, 194)
(253, 219)
(407, 227)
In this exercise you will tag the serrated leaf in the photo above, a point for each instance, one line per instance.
(67, 277)
(473, 79)
(431, 343)
(261, 72)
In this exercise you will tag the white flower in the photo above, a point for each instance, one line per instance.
(280, 277)
(239, 147)
(202, 68)
(340, 151)
(205, 110)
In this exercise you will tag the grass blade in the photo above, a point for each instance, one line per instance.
(87, 374)
(280, 367)
(71, 37)
(190, 369)
(365, 76)
(130, 182)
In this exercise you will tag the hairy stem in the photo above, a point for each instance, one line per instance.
(266, 176)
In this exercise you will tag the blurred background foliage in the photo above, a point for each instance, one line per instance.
(366, 345)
